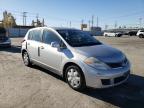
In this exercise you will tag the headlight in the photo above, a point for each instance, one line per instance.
(95, 63)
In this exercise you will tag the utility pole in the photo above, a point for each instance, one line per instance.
(43, 22)
(106, 27)
(37, 16)
(97, 21)
(37, 19)
(89, 22)
(82, 22)
(24, 18)
(92, 20)
(70, 24)
(140, 22)
(115, 25)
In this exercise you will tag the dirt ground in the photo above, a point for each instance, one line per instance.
(24, 87)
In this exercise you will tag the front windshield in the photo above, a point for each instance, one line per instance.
(78, 38)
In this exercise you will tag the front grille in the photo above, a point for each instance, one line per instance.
(114, 65)
(119, 64)
(119, 79)
(105, 81)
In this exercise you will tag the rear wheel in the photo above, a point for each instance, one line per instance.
(26, 59)
(106, 35)
(141, 36)
(75, 78)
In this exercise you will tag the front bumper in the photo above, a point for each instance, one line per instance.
(5, 44)
(106, 78)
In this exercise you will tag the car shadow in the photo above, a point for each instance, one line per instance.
(12, 49)
(127, 95)
(47, 72)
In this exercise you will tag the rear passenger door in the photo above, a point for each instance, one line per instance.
(33, 43)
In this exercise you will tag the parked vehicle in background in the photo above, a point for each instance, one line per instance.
(132, 33)
(96, 31)
(88, 33)
(112, 34)
(4, 39)
(140, 33)
(76, 56)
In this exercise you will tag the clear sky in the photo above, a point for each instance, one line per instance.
(61, 12)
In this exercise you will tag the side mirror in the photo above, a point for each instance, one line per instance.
(55, 44)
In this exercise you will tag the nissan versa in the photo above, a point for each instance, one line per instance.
(77, 56)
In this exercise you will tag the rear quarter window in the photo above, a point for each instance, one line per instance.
(30, 35)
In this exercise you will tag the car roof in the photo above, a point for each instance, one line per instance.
(63, 28)
(54, 28)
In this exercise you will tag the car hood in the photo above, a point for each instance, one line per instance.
(102, 52)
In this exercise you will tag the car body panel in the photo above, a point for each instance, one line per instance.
(112, 34)
(50, 56)
(5, 41)
(102, 52)
(55, 60)
(140, 32)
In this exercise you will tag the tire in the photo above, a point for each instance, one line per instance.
(141, 36)
(75, 78)
(106, 35)
(120, 35)
(26, 59)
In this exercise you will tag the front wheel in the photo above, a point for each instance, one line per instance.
(75, 78)
(26, 59)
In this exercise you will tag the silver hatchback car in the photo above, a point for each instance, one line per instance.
(77, 56)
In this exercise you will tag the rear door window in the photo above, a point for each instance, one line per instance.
(30, 35)
(35, 35)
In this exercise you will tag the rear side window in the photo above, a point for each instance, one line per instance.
(142, 31)
(30, 35)
(49, 37)
(35, 35)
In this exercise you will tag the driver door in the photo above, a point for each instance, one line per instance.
(49, 55)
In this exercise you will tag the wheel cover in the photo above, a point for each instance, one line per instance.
(73, 78)
(25, 58)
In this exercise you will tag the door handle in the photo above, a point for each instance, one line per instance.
(28, 43)
(42, 47)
